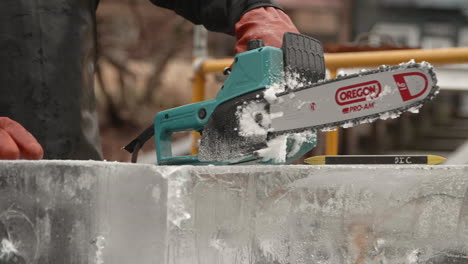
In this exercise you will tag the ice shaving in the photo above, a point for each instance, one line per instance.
(255, 120)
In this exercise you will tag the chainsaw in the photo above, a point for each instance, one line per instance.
(275, 100)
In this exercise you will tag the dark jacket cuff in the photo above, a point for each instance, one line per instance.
(240, 10)
(215, 15)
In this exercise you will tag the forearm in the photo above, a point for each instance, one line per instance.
(215, 15)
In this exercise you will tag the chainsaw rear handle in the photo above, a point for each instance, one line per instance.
(192, 117)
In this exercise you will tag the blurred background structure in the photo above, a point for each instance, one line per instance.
(145, 66)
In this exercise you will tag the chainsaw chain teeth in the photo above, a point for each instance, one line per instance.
(370, 118)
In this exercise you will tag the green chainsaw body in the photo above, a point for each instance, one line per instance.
(253, 70)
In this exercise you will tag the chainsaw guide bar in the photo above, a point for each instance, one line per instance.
(400, 80)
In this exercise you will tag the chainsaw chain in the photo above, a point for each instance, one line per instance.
(369, 118)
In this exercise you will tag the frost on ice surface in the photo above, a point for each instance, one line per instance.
(218, 244)
(178, 179)
(100, 244)
(324, 214)
(7, 249)
(413, 257)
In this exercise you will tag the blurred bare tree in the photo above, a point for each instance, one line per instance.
(136, 42)
(133, 31)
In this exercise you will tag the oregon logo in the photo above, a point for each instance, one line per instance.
(358, 93)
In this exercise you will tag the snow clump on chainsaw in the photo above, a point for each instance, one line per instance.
(292, 80)
(283, 147)
(253, 119)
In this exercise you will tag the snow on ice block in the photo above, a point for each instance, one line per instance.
(308, 214)
(62, 212)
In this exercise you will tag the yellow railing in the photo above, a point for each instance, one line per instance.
(336, 61)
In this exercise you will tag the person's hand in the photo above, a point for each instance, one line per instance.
(266, 23)
(17, 143)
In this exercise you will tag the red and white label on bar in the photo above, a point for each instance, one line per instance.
(418, 88)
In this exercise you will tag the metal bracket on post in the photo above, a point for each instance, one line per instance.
(332, 137)
(200, 42)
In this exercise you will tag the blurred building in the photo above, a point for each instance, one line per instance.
(443, 124)
(327, 20)
(414, 23)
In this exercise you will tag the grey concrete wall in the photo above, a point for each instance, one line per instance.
(366, 13)
(97, 212)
